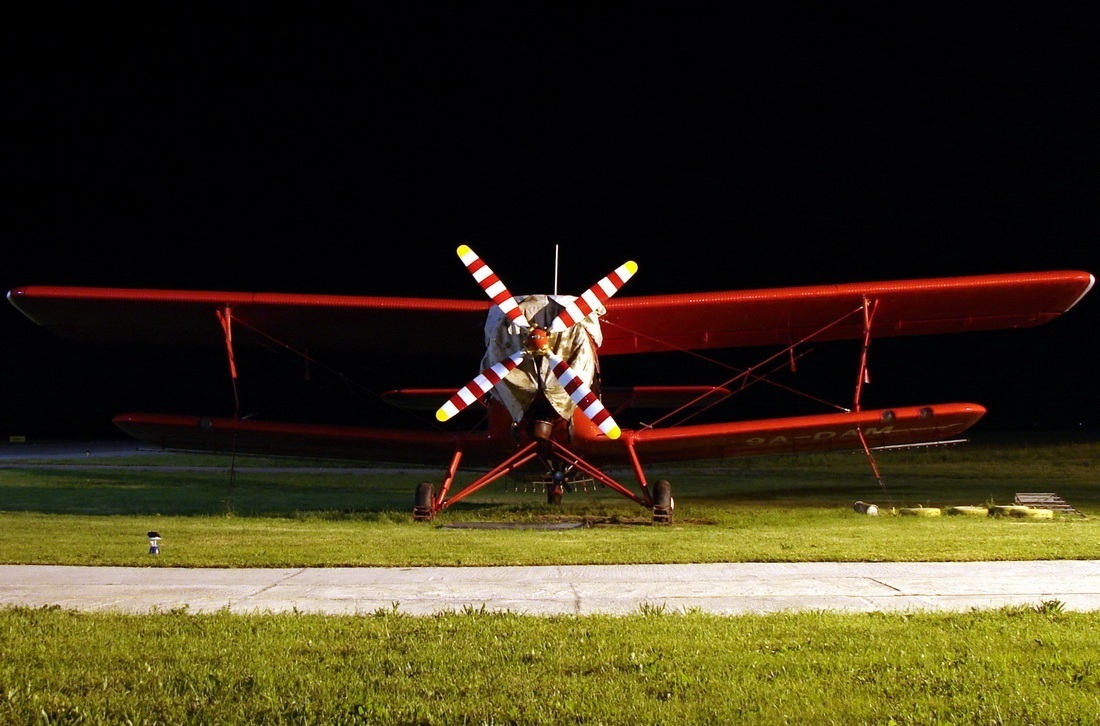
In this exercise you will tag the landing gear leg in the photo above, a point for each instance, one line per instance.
(662, 502)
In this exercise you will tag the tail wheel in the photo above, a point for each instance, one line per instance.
(662, 502)
(424, 505)
(556, 488)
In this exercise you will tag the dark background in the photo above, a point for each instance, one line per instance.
(350, 151)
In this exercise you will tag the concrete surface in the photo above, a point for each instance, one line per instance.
(564, 590)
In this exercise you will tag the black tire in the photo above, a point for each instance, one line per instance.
(662, 493)
(424, 501)
(662, 502)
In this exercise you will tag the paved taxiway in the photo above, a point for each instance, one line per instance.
(731, 588)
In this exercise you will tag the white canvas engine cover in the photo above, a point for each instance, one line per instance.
(576, 346)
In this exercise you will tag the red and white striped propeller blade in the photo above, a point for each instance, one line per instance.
(492, 286)
(594, 296)
(478, 387)
(583, 396)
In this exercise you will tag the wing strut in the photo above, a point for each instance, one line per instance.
(864, 377)
(749, 376)
(226, 319)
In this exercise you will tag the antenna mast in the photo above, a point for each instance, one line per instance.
(555, 270)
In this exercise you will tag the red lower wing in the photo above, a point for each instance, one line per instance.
(793, 435)
(828, 432)
(268, 438)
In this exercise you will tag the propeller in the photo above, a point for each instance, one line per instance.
(583, 397)
(597, 295)
(537, 341)
(492, 286)
(482, 384)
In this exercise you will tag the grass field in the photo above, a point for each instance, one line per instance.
(769, 509)
(1035, 664)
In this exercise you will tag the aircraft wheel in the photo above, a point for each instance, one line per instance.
(553, 495)
(662, 502)
(423, 508)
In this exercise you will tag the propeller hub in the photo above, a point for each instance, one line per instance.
(538, 341)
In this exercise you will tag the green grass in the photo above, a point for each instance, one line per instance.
(1015, 665)
(1032, 664)
(769, 509)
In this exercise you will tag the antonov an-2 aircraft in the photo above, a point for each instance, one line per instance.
(540, 394)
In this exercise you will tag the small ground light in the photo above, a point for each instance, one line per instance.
(154, 543)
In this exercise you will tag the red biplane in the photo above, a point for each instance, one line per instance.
(540, 393)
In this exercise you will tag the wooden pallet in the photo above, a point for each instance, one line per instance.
(1046, 500)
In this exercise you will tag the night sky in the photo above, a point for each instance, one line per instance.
(351, 151)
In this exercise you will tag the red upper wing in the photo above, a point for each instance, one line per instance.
(327, 321)
(781, 316)
(632, 325)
